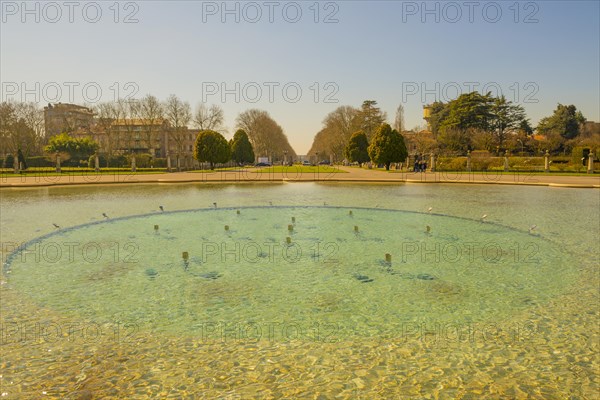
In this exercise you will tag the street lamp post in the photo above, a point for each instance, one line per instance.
(285, 157)
(522, 147)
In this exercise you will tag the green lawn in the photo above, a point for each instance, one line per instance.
(301, 169)
(493, 172)
(34, 174)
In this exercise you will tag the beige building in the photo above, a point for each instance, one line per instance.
(69, 118)
(122, 136)
(125, 136)
(156, 138)
(427, 115)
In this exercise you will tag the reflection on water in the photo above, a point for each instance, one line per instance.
(469, 309)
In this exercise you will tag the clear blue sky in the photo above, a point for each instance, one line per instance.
(537, 53)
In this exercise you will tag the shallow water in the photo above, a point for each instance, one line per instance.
(108, 307)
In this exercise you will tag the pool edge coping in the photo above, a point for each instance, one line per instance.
(288, 180)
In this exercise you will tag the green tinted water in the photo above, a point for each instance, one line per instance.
(109, 309)
(332, 275)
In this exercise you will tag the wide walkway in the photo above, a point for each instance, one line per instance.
(324, 174)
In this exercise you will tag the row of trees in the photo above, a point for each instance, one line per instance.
(473, 121)
(455, 122)
(340, 124)
(265, 135)
(118, 122)
(482, 122)
(21, 128)
(173, 116)
(387, 147)
(213, 148)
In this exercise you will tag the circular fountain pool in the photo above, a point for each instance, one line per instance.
(292, 271)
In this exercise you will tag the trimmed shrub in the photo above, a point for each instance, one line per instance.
(141, 160)
(159, 163)
(9, 161)
(452, 164)
(36, 162)
(119, 161)
(577, 155)
(487, 164)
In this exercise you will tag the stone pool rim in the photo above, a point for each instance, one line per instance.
(351, 175)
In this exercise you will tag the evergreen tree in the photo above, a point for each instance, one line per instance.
(212, 147)
(241, 148)
(565, 121)
(357, 148)
(387, 146)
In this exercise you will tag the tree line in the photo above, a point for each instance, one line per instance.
(387, 146)
(213, 148)
(210, 146)
(472, 121)
(265, 135)
(22, 126)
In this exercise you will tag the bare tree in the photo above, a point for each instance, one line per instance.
(321, 144)
(108, 133)
(178, 114)
(129, 110)
(340, 125)
(21, 127)
(266, 136)
(33, 118)
(152, 118)
(209, 118)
